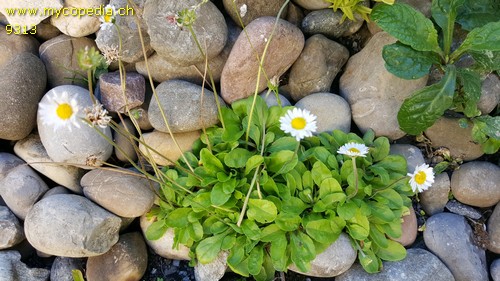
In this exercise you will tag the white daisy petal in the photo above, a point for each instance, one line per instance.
(109, 16)
(422, 178)
(353, 149)
(299, 123)
(59, 111)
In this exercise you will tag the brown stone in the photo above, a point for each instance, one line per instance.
(248, 10)
(112, 96)
(477, 184)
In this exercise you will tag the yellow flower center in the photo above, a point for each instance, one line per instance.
(64, 111)
(420, 177)
(108, 17)
(298, 123)
(354, 150)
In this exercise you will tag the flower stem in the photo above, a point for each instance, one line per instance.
(245, 204)
(355, 171)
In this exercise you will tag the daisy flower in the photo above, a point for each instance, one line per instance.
(422, 178)
(353, 149)
(58, 111)
(109, 16)
(299, 123)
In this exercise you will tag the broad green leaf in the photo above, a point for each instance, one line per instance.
(201, 202)
(320, 172)
(392, 229)
(210, 162)
(487, 60)
(302, 250)
(307, 180)
(381, 211)
(485, 38)
(489, 125)
(470, 82)
(444, 13)
(261, 210)
(281, 162)
(380, 149)
(217, 196)
(393, 252)
(476, 13)
(407, 25)
(407, 63)
(395, 200)
(255, 260)
(252, 163)
(347, 210)
(427, 105)
(208, 249)
(293, 205)
(178, 218)
(284, 143)
(329, 186)
(156, 230)
(232, 125)
(369, 261)
(195, 231)
(228, 242)
(251, 229)
(270, 233)
(278, 254)
(321, 231)
(236, 260)
(491, 146)
(237, 158)
(288, 221)
(378, 237)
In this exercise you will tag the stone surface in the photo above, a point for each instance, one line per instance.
(409, 229)
(126, 151)
(83, 146)
(21, 188)
(12, 45)
(423, 6)
(125, 261)
(46, 31)
(294, 14)
(79, 26)
(495, 270)
(239, 77)
(11, 231)
(187, 107)
(419, 265)
(108, 39)
(176, 44)
(313, 4)
(328, 23)
(22, 84)
(31, 150)
(8, 162)
(56, 190)
(375, 95)
(212, 271)
(490, 94)
(434, 199)
(248, 10)
(272, 100)
(335, 260)
(88, 229)
(477, 184)
(165, 146)
(59, 55)
(327, 56)
(31, 19)
(62, 267)
(494, 231)
(331, 110)
(121, 192)
(112, 96)
(164, 245)
(449, 237)
(13, 269)
(411, 153)
(446, 132)
(464, 210)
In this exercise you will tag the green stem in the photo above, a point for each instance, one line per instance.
(91, 90)
(247, 198)
(355, 171)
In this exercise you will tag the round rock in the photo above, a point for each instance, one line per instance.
(213, 270)
(24, 20)
(329, 23)
(434, 199)
(449, 237)
(272, 100)
(22, 84)
(494, 231)
(313, 4)
(331, 110)
(409, 229)
(12, 45)
(327, 56)
(239, 76)
(125, 146)
(12, 232)
(81, 146)
(187, 107)
(120, 192)
(163, 143)
(62, 267)
(177, 44)
(477, 184)
(248, 10)
(8, 162)
(411, 153)
(112, 96)
(88, 229)
(126, 260)
(79, 26)
(490, 94)
(164, 246)
(495, 270)
(13, 269)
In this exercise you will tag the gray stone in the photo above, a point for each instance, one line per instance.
(446, 132)
(490, 94)
(464, 210)
(8, 162)
(22, 84)
(419, 265)
(271, 99)
(56, 190)
(11, 231)
(434, 199)
(46, 31)
(12, 45)
(248, 10)
(375, 95)
(477, 184)
(21, 188)
(121, 192)
(164, 145)
(164, 246)
(187, 107)
(88, 229)
(411, 153)
(409, 229)
(495, 270)
(212, 271)
(82, 146)
(62, 267)
(294, 14)
(126, 260)
(131, 47)
(331, 110)
(31, 20)
(329, 23)
(494, 231)
(33, 152)
(125, 146)
(13, 269)
(313, 4)
(62, 51)
(79, 26)
(112, 96)
(449, 237)
(239, 76)
(335, 260)
(327, 56)
(176, 43)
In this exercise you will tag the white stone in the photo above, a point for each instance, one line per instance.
(78, 26)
